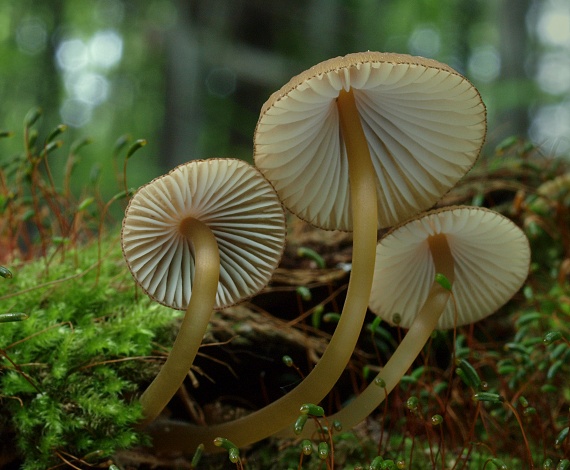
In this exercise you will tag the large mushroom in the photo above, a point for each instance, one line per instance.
(358, 143)
(484, 256)
(205, 236)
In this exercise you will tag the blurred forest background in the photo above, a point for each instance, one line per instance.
(190, 76)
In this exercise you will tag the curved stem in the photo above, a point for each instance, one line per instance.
(194, 323)
(284, 411)
(410, 347)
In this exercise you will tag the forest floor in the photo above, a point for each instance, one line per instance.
(240, 367)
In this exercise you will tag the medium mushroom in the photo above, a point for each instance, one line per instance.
(358, 143)
(205, 236)
(483, 255)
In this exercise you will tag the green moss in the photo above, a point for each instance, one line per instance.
(69, 373)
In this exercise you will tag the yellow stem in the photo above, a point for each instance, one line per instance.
(194, 323)
(410, 347)
(284, 411)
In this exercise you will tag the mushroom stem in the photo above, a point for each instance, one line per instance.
(283, 412)
(410, 347)
(194, 323)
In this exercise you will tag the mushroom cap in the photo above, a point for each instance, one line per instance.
(234, 200)
(491, 261)
(424, 122)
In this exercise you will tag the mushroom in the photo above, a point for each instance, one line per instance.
(204, 236)
(484, 256)
(358, 143)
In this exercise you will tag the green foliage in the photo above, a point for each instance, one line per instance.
(76, 343)
(70, 371)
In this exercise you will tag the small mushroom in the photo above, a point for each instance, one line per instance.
(484, 256)
(205, 236)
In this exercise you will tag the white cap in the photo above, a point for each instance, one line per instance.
(424, 123)
(234, 200)
(491, 257)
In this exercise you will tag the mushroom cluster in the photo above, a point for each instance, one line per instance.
(356, 143)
